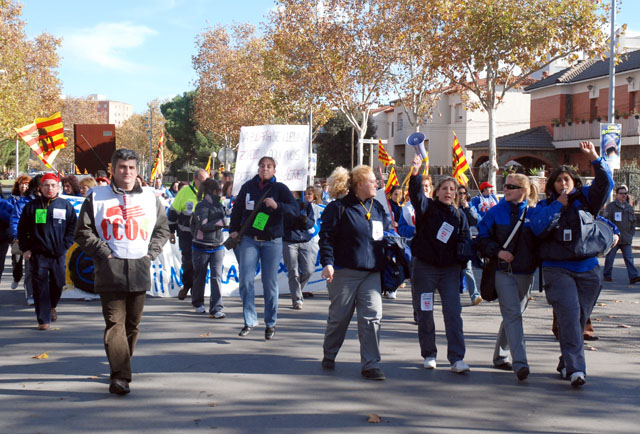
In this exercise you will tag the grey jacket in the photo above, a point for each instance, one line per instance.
(627, 222)
(115, 274)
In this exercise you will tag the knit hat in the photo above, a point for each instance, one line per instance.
(47, 176)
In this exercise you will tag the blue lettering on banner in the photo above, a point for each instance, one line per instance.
(232, 273)
(175, 277)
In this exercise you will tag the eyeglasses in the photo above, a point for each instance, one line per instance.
(624, 193)
(512, 186)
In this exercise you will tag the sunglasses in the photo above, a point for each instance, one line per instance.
(512, 186)
(624, 193)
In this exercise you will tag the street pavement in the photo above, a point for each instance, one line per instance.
(193, 374)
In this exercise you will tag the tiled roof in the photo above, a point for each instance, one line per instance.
(587, 70)
(534, 138)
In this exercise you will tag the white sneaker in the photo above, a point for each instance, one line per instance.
(14, 284)
(459, 367)
(30, 301)
(430, 363)
(201, 309)
(578, 379)
(218, 315)
(392, 295)
(298, 305)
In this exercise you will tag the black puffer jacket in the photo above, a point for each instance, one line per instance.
(207, 222)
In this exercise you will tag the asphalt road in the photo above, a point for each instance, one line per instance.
(194, 374)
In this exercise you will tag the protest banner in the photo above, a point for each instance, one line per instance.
(610, 143)
(288, 145)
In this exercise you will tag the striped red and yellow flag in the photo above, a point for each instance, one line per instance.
(158, 165)
(460, 164)
(208, 168)
(45, 137)
(393, 180)
(77, 169)
(383, 156)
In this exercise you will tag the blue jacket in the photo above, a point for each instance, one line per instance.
(495, 228)
(53, 237)
(5, 220)
(347, 236)
(18, 203)
(482, 206)
(248, 197)
(431, 216)
(547, 217)
(296, 229)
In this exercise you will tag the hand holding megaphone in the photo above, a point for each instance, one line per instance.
(416, 140)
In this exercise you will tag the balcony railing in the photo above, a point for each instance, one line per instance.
(591, 130)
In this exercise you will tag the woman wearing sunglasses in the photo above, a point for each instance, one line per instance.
(517, 261)
(572, 282)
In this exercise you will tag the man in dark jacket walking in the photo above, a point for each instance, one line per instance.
(46, 232)
(123, 227)
(621, 213)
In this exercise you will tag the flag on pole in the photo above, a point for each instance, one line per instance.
(426, 165)
(393, 180)
(158, 165)
(77, 169)
(383, 156)
(208, 168)
(460, 164)
(45, 137)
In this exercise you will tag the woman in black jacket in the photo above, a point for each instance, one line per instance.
(441, 233)
(207, 222)
(351, 232)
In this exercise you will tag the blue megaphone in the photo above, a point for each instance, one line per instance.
(417, 141)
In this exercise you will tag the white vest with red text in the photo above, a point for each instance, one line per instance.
(125, 221)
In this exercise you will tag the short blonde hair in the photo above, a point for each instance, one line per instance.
(532, 189)
(88, 182)
(340, 180)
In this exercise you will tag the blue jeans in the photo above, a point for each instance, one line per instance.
(627, 254)
(47, 276)
(425, 279)
(468, 282)
(202, 261)
(268, 253)
(572, 296)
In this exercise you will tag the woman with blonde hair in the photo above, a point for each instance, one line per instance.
(87, 184)
(516, 261)
(352, 227)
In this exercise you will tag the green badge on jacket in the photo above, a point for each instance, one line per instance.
(41, 216)
(261, 221)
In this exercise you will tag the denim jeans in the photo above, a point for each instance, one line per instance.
(202, 262)
(425, 279)
(468, 280)
(572, 296)
(627, 254)
(300, 259)
(268, 253)
(47, 275)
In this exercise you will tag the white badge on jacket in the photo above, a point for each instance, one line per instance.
(248, 203)
(617, 216)
(444, 233)
(59, 214)
(376, 230)
(426, 301)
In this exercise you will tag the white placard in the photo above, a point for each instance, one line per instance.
(287, 144)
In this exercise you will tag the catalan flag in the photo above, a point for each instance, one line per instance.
(158, 165)
(393, 180)
(208, 168)
(77, 169)
(383, 156)
(45, 137)
(460, 164)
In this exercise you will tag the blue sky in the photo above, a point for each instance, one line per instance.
(137, 50)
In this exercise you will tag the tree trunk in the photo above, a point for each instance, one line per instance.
(493, 160)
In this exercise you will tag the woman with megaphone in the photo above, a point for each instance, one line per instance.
(439, 247)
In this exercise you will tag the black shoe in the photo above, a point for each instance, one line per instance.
(245, 331)
(269, 332)
(328, 364)
(590, 337)
(523, 373)
(373, 374)
(119, 387)
(634, 280)
(183, 293)
(506, 366)
(607, 278)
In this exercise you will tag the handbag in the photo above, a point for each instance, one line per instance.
(488, 281)
(232, 243)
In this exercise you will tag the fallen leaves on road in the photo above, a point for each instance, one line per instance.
(596, 319)
(618, 301)
(93, 377)
(41, 356)
(590, 348)
(374, 418)
(602, 304)
(212, 404)
(205, 335)
(612, 316)
(624, 326)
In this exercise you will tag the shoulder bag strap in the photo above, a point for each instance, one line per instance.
(515, 229)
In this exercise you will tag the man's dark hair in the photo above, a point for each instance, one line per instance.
(124, 154)
(267, 158)
(208, 186)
